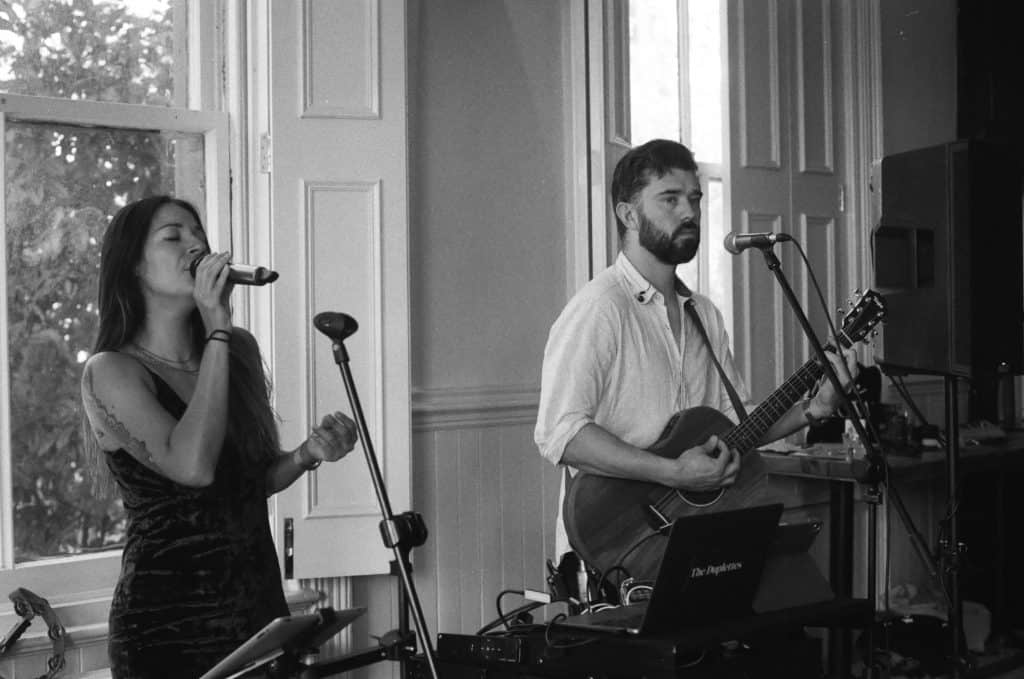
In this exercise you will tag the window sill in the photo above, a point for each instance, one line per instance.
(85, 620)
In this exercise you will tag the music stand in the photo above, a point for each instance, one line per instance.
(286, 635)
(400, 532)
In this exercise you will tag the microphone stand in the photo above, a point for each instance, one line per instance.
(839, 647)
(877, 464)
(399, 532)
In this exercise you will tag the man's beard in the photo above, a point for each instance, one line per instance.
(664, 246)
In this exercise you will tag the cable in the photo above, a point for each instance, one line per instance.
(550, 643)
(618, 565)
(537, 599)
(817, 289)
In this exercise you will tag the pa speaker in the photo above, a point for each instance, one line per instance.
(948, 252)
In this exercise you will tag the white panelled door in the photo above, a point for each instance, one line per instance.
(785, 172)
(339, 239)
(608, 114)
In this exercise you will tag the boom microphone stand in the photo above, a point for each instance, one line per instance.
(876, 462)
(400, 532)
(839, 647)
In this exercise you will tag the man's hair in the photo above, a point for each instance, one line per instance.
(635, 170)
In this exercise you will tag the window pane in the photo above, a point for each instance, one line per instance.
(653, 70)
(705, 71)
(63, 184)
(719, 283)
(705, 273)
(105, 50)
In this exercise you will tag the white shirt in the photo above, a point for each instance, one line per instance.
(611, 359)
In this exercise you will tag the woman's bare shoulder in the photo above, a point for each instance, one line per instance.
(113, 368)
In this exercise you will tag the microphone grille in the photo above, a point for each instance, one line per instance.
(730, 244)
(335, 325)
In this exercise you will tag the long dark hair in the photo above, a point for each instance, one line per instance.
(252, 424)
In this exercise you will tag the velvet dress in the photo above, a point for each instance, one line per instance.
(199, 574)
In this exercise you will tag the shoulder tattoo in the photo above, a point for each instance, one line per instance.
(109, 421)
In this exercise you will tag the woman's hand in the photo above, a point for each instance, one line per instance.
(333, 439)
(212, 290)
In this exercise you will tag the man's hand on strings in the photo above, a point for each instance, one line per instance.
(706, 467)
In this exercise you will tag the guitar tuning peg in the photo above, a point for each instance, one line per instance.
(856, 292)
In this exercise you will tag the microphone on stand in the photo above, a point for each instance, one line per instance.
(242, 274)
(738, 242)
(335, 325)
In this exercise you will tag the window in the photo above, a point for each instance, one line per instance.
(676, 92)
(93, 115)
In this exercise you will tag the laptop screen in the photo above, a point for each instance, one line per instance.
(711, 567)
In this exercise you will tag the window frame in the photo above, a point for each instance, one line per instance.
(90, 576)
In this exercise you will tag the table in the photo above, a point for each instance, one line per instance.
(558, 651)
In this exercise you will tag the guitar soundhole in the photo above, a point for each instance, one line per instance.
(700, 498)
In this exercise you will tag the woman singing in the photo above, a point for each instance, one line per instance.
(177, 401)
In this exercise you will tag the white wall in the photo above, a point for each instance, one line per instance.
(918, 73)
(488, 190)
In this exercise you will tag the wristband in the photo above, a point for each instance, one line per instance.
(220, 336)
(304, 455)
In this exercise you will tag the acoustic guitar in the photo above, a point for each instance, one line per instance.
(622, 524)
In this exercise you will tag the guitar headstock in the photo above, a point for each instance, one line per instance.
(864, 314)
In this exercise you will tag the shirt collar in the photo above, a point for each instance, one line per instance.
(641, 289)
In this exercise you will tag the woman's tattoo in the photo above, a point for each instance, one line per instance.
(117, 428)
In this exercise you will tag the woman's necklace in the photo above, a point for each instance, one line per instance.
(184, 366)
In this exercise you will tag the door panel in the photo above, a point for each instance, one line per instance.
(608, 87)
(339, 238)
(785, 160)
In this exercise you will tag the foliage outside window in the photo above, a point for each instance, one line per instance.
(62, 183)
(676, 91)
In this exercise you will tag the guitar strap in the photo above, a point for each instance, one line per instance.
(737, 404)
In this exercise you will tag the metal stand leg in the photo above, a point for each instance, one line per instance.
(951, 546)
(840, 572)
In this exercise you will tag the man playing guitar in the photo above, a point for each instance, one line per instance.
(625, 354)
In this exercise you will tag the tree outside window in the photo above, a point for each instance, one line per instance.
(62, 184)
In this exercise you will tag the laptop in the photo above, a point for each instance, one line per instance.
(709, 572)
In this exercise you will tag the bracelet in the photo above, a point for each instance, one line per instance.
(308, 466)
(811, 418)
(220, 336)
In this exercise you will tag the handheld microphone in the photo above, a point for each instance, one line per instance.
(738, 242)
(242, 274)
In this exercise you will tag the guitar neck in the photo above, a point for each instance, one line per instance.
(748, 434)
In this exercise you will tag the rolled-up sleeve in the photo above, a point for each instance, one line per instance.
(573, 377)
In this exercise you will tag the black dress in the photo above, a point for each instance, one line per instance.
(199, 574)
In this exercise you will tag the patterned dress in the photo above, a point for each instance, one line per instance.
(199, 574)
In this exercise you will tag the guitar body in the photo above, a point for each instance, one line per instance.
(616, 522)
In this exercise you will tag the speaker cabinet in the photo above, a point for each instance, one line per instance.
(948, 253)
